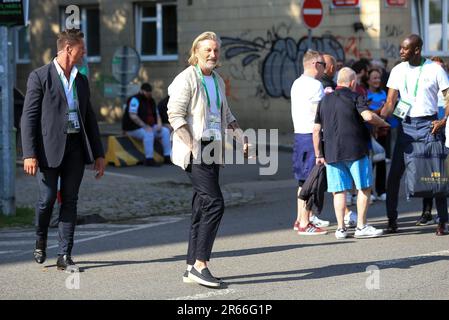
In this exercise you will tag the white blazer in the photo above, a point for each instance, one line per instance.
(188, 105)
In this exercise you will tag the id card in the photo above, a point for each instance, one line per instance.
(73, 125)
(402, 109)
(213, 131)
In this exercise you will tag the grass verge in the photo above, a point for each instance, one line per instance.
(24, 218)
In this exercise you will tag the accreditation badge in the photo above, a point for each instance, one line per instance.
(402, 109)
(214, 128)
(73, 124)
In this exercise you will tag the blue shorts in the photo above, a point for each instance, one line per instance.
(303, 156)
(341, 174)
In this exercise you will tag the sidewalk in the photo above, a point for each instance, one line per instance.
(119, 197)
(285, 140)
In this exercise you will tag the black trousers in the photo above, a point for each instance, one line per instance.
(71, 173)
(207, 210)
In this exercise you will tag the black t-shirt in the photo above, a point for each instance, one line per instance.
(345, 135)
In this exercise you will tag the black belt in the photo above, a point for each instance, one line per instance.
(432, 117)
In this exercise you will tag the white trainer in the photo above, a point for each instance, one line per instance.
(350, 219)
(367, 232)
(317, 222)
(341, 233)
(382, 197)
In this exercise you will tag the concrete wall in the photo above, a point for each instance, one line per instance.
(263, 44)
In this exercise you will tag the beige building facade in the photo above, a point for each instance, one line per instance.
(262, 43)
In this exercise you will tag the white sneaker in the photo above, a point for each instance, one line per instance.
(348, 199)
(382, 197)
(341, 233)
(317, 222)
(367, 232)
(350, 219)
(372, 198)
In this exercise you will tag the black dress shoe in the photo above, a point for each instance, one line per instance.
(65, 263)
(392, 226)
(40, 251)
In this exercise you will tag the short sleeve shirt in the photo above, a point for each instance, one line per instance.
(134, 105)
(345, 135)
(306, 92)
(427, 82)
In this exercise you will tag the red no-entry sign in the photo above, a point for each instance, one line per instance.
(312, 13)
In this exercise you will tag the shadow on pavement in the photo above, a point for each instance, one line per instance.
(215, 255)
(334, 270)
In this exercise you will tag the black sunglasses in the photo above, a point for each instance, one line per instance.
(322, 63)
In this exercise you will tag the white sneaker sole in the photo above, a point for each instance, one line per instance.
(312, 233)
(367, 236)
(187, 280)
(194, 278)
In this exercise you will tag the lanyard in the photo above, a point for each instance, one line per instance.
(205, 87)
(417, 80)
(74, 93)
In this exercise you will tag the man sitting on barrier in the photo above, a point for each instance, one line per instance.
(142, 121)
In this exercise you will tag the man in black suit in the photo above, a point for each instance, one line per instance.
(59, 136)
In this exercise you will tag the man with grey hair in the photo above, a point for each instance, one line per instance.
(306, 92)
(341, 117)
(199, 114)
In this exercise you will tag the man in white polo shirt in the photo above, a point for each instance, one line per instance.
(418, 81)
(306, 93)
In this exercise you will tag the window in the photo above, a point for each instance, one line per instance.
(434, 15)
(90, 26)
(22, 40)
(156, 31)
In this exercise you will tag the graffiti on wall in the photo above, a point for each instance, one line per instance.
(390, 46)
(353, 47)
(393, 31)
(274, 62)
(390, 50)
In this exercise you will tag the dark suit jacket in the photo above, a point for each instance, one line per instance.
(313, 189)
(45, 115)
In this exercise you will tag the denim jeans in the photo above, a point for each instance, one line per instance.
(148, 140)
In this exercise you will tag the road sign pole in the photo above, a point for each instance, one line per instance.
(309, 39)
(123, 81)
(7, 138)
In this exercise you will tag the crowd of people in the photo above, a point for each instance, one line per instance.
(342, 124)
(339, 112)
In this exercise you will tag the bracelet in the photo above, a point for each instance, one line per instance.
(319, 157)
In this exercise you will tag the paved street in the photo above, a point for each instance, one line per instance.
(256, 253)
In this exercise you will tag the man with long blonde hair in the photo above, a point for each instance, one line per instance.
(199, 114)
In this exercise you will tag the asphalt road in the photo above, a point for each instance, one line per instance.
(256, 252)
